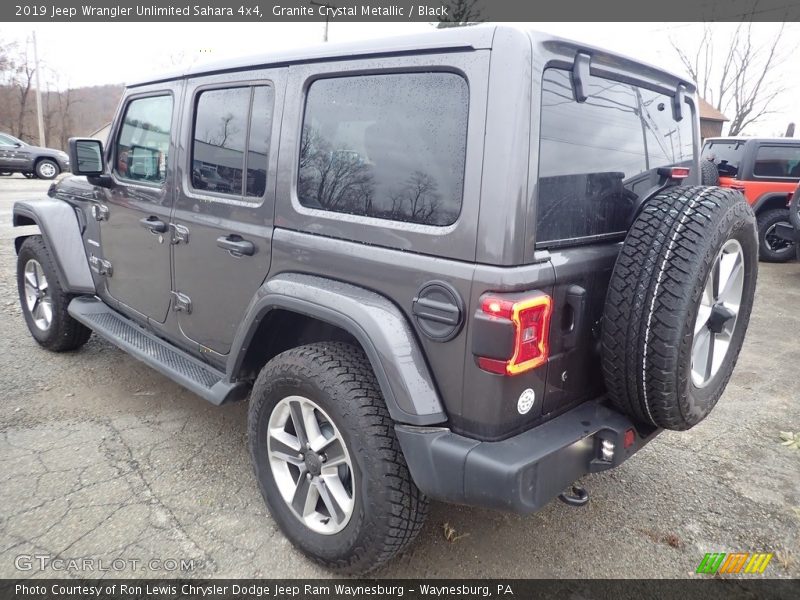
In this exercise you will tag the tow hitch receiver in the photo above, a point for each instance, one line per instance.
(578, 496)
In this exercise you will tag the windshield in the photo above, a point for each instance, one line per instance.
(726, 154)
(596, 158)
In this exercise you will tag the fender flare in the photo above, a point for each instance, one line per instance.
(61, 232)
(769, 196)
(373, 320)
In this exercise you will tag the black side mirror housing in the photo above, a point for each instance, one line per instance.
(86, 157)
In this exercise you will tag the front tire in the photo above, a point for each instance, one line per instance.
(47, 169)
(771, 248)
(327, 461)
(44, 302)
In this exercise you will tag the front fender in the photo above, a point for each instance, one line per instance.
(373, 320)
(62, 236)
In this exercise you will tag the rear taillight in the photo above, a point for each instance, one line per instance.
(528, 318)
(679, 172)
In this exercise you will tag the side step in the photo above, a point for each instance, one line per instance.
(204, 380)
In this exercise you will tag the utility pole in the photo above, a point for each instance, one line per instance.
(327, 15)
(38, 92)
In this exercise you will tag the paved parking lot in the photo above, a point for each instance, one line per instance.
(103, 458)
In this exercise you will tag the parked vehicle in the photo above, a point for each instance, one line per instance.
(32, 161)
(766, 171)
(473, 265)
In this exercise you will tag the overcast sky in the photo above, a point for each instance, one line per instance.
(90, 53)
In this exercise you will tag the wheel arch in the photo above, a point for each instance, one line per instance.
(771, 201)
(61, 233)
(294, 309)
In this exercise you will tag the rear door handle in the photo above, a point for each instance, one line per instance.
(236, 245)
(154, 224)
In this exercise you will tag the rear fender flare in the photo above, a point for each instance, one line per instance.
(375, 322)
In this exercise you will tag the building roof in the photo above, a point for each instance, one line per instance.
(710, 113)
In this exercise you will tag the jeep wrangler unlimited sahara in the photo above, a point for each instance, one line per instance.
(472, 265)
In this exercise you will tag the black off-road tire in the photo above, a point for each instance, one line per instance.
(64, 333)
(653, 300)
(389, 510)
(709, 174)
(767, 251)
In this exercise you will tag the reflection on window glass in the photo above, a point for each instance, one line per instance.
(220, 132)
(258, 146)
(143, 143)
(598, 156)
(777, 161)
(386, 146)
(726, 155)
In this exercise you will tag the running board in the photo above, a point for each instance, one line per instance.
(199, 377)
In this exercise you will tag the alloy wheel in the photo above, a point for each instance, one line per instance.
(718, 313)
(311, 465)
(37, 295)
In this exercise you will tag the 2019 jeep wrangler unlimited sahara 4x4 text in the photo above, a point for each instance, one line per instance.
(473, 265)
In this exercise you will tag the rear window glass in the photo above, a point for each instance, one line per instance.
(777, 161)
(726, 155)
(387, 146)
(596, 157)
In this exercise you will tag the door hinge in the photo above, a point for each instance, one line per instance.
(100, 212)
(180, 234)
(182, 303)
(101, 266)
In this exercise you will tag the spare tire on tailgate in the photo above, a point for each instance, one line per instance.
(709, 174)
(678, 305)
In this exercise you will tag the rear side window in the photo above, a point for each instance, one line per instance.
(232, 131)
(596, 157)
(726, 155)
(387, 146)
(143, 143)
(777, 161)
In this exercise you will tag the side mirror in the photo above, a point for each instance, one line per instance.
(17, 145)
(86, 157)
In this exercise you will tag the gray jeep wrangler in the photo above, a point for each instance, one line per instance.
(473, 265)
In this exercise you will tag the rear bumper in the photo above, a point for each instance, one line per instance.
(525, 472)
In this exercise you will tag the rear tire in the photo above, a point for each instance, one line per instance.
(44, 302)
(382, 510)
(682, 288)
(770, 247)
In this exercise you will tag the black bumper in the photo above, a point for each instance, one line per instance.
(525, 472)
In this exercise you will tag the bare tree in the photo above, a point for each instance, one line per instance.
(461, 13)
(741, 81)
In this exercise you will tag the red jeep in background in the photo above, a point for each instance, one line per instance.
(767, 172)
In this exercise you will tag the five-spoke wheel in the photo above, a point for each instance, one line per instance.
(716, 317)
(311, 465)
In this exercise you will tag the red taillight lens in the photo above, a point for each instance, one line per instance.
(679, 172)
(531, 322)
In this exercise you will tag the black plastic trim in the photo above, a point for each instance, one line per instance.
(522, 473)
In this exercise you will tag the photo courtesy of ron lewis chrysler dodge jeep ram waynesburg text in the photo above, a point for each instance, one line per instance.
(472, 265)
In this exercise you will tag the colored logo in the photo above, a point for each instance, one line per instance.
(737, 562)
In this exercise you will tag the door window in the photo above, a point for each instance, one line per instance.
(386, 146)
(142, 147)
(777, 161)
(228, 121)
